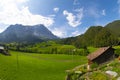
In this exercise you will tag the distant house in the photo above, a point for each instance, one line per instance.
(3, 51)
(100, 56)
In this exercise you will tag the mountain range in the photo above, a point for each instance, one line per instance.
(38, 33)
(21, 33)
(97, 36)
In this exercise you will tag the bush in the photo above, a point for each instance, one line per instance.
(94, 65)
(98, 76)
(117, 52)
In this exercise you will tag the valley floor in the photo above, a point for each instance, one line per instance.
(30, 66)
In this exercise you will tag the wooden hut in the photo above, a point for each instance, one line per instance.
(3, 51)
(100, 56)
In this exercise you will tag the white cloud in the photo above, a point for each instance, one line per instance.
(86, 28)
(56, 9)
(60, 32)
(14, 12)
(79, 32)
(103, 12)
(74, 20)
(76, 33)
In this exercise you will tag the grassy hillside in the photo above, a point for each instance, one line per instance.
(25, 66)
(96, 36)
(114, 26)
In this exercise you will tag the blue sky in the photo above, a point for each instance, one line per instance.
(64, 18)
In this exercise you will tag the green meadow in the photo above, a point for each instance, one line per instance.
(29, 66)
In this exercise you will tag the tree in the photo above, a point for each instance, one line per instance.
(105, 38)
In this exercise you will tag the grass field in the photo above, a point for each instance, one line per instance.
(26, 66)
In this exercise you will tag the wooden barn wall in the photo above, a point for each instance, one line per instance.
(106, 56)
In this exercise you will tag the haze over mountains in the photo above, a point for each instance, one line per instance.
(20, 33)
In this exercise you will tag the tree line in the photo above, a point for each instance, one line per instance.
(49, 47)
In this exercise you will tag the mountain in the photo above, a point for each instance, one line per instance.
(85, 39)
(97, 36)
(91, 33)
(20, 33)
(114, 26)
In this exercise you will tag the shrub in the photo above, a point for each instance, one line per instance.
(98, 76)
(94, 65)
(117, 52)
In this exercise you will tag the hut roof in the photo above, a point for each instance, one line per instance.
(97, 53)
(1, 47)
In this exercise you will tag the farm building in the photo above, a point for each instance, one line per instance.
(3, 51)
(102, 55)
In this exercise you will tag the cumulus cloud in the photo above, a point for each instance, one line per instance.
(76, 33)
(103, 12)
(74, 20)
(60, 32)
(56, 9)
(14, 12)
(79, 32)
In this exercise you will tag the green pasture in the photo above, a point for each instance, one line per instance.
(29, 66)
